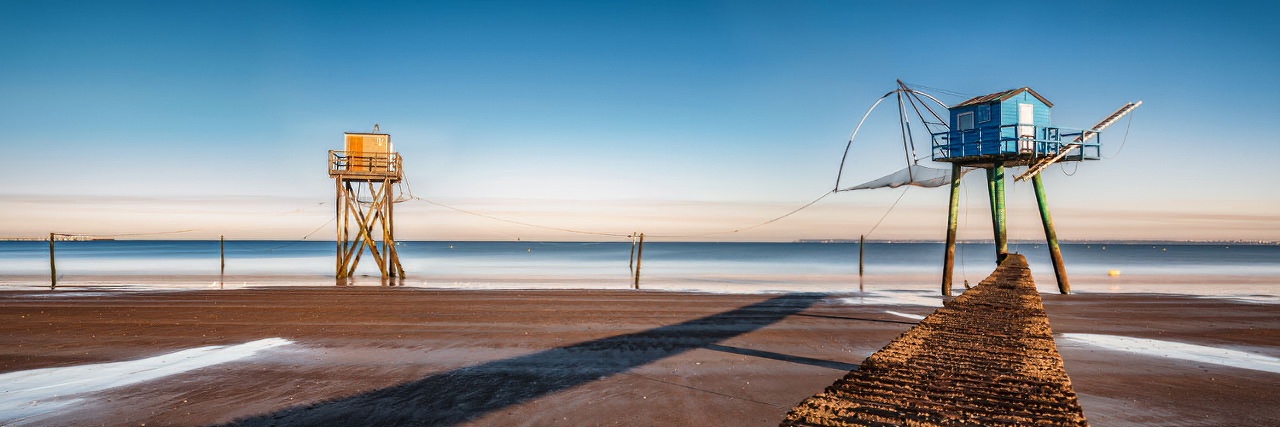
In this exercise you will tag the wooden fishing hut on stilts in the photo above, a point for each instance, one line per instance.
(367, 162)
(1004, 130)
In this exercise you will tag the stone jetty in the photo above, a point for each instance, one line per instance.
(986, 358)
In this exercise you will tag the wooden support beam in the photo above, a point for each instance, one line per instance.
(393, 259)
(365, 238)
(996, 178)
(340, 240)
(1055, 253)
(991, 195)
(949, 257)
(374, 230)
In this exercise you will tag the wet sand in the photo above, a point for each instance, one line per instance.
(396, 355)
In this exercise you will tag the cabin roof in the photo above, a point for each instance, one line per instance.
(1001, 96)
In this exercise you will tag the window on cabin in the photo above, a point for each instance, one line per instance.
(984, 113)
(964, 121)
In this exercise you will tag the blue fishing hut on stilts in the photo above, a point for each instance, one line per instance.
(1009, 129)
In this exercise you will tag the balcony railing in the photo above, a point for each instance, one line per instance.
(1014, 141)
(356, 165)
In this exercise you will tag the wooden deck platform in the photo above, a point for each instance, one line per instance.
(986, 358)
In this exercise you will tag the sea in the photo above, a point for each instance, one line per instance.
(1246, 271)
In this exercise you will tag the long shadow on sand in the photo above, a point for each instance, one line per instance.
(467, 393)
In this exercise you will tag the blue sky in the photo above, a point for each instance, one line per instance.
(665, 117)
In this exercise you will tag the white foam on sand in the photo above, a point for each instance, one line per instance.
(906, 315)
(1184, 351)
(922, 299)
(27, 396)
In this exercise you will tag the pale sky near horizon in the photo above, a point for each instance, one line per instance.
(673, 118)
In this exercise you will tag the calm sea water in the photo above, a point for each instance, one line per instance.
(715, 267)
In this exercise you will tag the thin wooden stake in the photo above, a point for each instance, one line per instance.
(222, 260)
(862, 243)
(53, 270)
(639, 254)
(631, 259)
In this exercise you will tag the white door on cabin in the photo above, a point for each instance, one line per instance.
(1026, 120)
(1026, 127)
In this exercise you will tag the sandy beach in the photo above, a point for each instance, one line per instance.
(374, 355)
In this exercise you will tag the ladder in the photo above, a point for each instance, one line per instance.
(1084, 136)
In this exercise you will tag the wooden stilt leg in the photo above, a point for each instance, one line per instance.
(1055, 253)
(374, 222)
(340, 239)
(996, 182)
(949, 257)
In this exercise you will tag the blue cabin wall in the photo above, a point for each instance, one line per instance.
(999, 134)
(987, 131)
(1009, 110)
(1005, 113)
(1009, 116)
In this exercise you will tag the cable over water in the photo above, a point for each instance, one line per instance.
(886, 212)
(526, 224)
(157, 233)
(627, 235)
(761, 224)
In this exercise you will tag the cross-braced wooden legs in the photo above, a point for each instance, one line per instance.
(376, 216)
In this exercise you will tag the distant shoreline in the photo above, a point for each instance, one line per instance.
(801, 241)
(56, 239)
(1068, 242)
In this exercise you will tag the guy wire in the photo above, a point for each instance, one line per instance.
(886, 213)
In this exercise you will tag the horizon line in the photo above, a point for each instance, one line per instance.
(794, 241)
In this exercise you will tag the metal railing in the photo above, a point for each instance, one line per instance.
(364, 165)
(1026, 141)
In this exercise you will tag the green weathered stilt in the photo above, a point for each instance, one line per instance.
(53, 269)
(1055, 253)
(949, 259)
(995, 177)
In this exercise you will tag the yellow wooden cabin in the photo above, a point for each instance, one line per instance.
(365, 157)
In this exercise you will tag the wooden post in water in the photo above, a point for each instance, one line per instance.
(996, 177)
(53, 270)
(631, 259)
(949, 258)
(222, 258)
(862, 243)
(1055, 253)
(639, 254)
